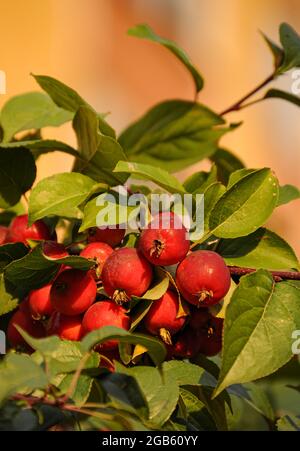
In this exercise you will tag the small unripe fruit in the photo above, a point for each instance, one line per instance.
(165, 241)
(23, 319)
(162, 317)
(3, 234)
(19, 231)
(126, 273)
(105, 313)
(73, 292)
(98, 252)
(113, 237)
(65, 327)
(203, 278)
(39, 302)
(54, 250)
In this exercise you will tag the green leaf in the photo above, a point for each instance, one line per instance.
(7, 215)
(82, 389)
(159, 176)
(125, 394)
(33, 110)
(101, 165)
(173, 134)
(288, 423)
(259, 323)
(145, 32)
(60, 195)
(68, 99)
(86, 126)
(42, 146)
(36, 269)
(215, 407)
(278, 53)
(61, 94)
(226, 163)
(9, 296)
(184, 373)
(256, 397)
(238, 175)
(262, 249)
(106, 209)
(199, 181)
(211, 196)
(155, 348)
(287, 193)
(290, 41)
(19, 372)
(17, 174)
(278, 94)
(160, 391)
(245, 206)
(196, 412)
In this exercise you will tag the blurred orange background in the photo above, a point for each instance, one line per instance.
(84, 44)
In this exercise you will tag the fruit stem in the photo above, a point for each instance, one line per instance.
(165, 336)
(277, 275)
(241, 103)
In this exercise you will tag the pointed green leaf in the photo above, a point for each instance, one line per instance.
(278, 94)
(17, 174)
(159, 176)
(226, 163)
(287, 193)
(245, 206)
(145, 32)
(262, 249)
(290, 41)
(33, 110)
(60, 195)
(278, 53)
(259, 323)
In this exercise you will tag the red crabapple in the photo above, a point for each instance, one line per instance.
(162, 317)
(107, 235)
(23, 319)
(3, 234)
(65, 327)
(105, 313)
(73, 292)
(126, 273)
(39, 302)
(98, 252)
(203, 278)
(20, 231)
(165, 241)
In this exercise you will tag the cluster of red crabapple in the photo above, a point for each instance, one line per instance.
(72, 305)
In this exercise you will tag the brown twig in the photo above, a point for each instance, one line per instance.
(241, 103)
(277, 275)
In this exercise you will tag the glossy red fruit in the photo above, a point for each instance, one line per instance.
(125, 273)
(165, 241)
(23, 319)
(39, 302)
(162, 318)
(210, 336)
(203, 278)
(65, 327)
(105, 313)
(113, 237)
(54, 250)
(19, 231)
(3, 234)
(73, 292)
(98, 252)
